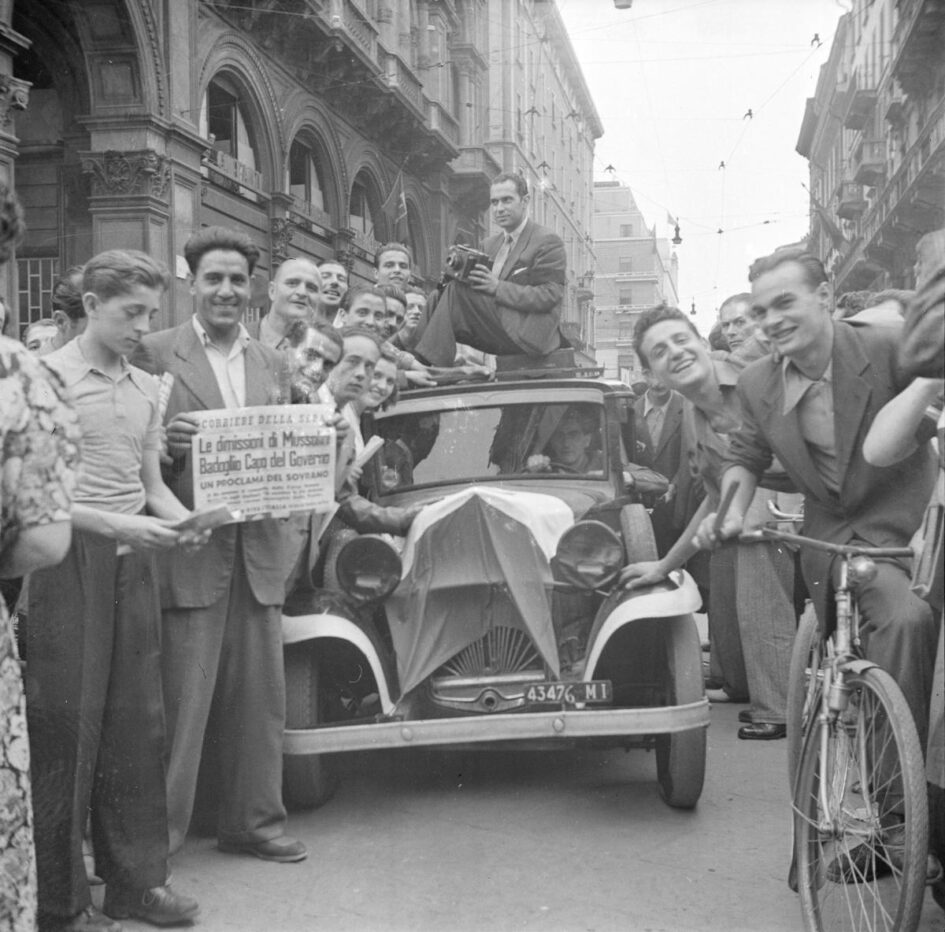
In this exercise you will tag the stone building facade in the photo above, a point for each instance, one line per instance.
(320, 127)
(874, 134)
(635, 270)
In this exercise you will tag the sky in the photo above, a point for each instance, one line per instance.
(672, 81)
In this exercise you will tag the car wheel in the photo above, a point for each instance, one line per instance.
(307, 780)
(680, 755)
(637, 530)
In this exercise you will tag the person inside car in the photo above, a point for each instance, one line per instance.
(571, 447)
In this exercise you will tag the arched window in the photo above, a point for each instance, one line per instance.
(364, 213)
(307, 182)
(234, 153)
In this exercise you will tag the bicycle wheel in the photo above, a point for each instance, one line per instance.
(861, 814)
(804, 683)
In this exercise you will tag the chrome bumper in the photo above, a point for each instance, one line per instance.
(557, 724)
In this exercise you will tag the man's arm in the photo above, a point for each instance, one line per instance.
(536, 288)
(894, 433)
(749, 456)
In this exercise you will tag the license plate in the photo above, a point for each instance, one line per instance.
(569, 693)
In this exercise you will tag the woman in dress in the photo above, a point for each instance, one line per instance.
(38, 449)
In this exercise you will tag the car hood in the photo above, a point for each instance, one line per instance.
(475, 560)
(578, 494)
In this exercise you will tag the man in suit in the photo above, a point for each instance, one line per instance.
(810, 404)
(512, 307)
(659, 421)
(222, 638)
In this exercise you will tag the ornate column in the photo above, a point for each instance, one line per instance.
(129, 199)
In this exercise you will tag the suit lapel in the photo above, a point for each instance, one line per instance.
(671, 422)
(851, 393)
(194, 370)
(786, 439)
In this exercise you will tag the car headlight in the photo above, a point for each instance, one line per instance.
(589, 555)
(368, 568)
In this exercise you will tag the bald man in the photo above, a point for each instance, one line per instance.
(293, 295)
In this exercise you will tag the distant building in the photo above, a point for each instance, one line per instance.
(636, 270)
(874, 134)
(318, 127)
(542, 121)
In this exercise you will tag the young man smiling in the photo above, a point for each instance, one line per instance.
(811, 405)
(752, 581)
(334, 276)
(222, 650)
(96, 715)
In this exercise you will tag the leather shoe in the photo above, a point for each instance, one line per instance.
(745, 717)
(762, 731)
(159, 906)
(862, 864)
(282, 850)
(89, 920)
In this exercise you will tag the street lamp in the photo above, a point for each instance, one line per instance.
(677, 239)
(623, 4)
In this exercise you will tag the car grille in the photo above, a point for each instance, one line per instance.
(502, 650)
(490, 675)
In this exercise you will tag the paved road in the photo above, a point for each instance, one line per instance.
(489, 842)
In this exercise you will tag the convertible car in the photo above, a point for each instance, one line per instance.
(497, 621)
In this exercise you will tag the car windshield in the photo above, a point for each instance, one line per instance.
(471, 444)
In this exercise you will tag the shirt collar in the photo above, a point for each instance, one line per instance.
(795, 383)
(648, 405)
(73, 366)
(268, 334)
(517, 232)
(243, 339)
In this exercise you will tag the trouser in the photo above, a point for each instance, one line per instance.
(96, 722)
(764, 600)
(224, 679)
(724, 635)
(466, 316)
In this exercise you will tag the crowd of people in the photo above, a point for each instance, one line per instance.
(154, 660)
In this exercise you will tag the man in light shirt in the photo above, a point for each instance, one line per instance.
(222, 636)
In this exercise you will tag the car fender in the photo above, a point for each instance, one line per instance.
(299, 628)
(679, 595)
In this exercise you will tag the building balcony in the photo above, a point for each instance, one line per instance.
(850, 200)
(650, 274)
(405, 85)
(860, 104)
(443, 123)
(309, 212)
(474, 160)
(909, 204)
(895, 111)
(917, 43)
(869, 162)
(230, 174)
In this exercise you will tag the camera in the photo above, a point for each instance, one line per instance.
(460, 261)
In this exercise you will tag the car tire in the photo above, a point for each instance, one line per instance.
(680, 755)
(308, 780)
(637, 531)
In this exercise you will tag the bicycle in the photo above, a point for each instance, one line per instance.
(860, 821)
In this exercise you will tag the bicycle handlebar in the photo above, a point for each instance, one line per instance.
(852, 550)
